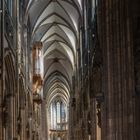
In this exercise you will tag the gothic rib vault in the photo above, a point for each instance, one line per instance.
(55, 23)
(69, 69)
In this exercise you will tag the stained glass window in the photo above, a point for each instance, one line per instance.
(58, 115)
(58, 112)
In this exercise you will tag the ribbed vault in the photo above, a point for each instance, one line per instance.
(55, 23)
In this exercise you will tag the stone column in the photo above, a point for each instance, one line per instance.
(135, 17)
(115, 40)
(43, 116)
(1, 65)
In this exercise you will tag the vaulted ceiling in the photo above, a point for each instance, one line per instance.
(56, 24)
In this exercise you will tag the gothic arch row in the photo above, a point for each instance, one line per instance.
(13, 103)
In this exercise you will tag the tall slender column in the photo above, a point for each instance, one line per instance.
(118, 78)
(1, 65)
(17, 112)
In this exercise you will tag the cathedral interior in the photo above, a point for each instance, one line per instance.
(69, 70)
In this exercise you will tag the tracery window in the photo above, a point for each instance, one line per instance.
(58, 115)
(58, 112)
